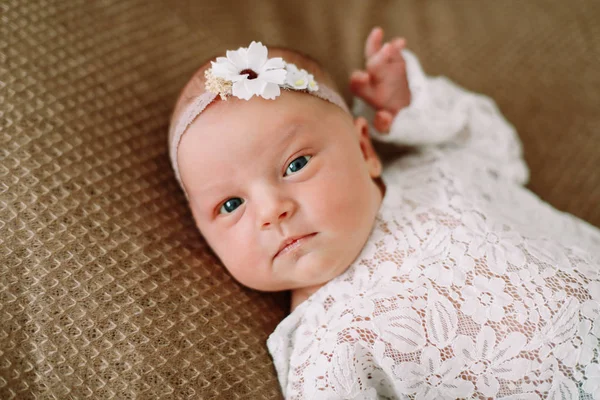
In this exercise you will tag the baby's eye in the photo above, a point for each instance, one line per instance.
(297, 165)
(230, 205)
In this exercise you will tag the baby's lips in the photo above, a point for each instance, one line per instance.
(291, 240)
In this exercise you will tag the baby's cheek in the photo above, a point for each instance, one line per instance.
(338, 210)
(241, 255)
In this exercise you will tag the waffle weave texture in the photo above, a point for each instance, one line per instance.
(107, 290)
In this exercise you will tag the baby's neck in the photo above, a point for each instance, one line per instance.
(301, 294)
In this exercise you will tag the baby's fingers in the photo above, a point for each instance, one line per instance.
(399, 43)
(379, 59)
(373, 42)
(389, 52)
(360, 77)
(386, 61)
(359, 83)
(383, 121)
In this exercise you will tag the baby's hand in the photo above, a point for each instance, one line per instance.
(383, 84)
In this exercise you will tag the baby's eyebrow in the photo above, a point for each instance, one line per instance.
(208, 189)
(289, 131)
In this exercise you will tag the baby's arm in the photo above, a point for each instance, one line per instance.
(436, 111)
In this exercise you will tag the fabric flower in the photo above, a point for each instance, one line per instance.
(252, 73)
(591, 310)
(490, 361)
(312, 84)
(445, 262)
(578, 349)
(560, 328)
(296, 78)
(432, 378)
(524, 311)
(486, 238)
(485, 300)
(300, 78)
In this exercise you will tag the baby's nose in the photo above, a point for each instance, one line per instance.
(283, 215)
(276, 211)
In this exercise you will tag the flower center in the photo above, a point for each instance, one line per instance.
(480, 366)
(485, 299)
(492, 238)
(434, 380)
(251, 74)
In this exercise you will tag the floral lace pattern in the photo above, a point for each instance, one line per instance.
(469, 285)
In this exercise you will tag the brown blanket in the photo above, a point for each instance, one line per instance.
(106, 288)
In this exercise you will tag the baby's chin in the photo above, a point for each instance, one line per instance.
(306, 267)
(317, 263)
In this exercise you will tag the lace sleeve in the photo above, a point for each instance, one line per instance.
(333, 367)
(464, 125)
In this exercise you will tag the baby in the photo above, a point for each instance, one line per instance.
(438, 276)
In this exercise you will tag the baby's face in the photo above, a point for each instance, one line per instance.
(260, 173)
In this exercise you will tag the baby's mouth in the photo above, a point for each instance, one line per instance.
(292, 243)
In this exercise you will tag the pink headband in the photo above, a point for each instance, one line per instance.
(244, 73)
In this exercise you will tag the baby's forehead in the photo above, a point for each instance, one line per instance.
(268, 120)
(216, 159)
(259, 128)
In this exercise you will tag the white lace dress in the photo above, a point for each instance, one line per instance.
(469, 285)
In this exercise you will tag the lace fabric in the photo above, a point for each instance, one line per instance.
(469, 286)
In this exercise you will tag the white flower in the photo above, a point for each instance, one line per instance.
(561, 327)
(441, 320)
(251, 72)
(489, 361)
(485, 300)
(365, 288)
(529, 284)
(296, 78)
(488, 239)
(403, 329)
(342, 371)
(432, 378)
(300, 78)
(524, 311)
(591, 310)
(446, 263)
(579, 348)
(529, 277)
(312, 84)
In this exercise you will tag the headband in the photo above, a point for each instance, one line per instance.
(244, 73)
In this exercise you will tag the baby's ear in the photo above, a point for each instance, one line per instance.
(371, 158)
